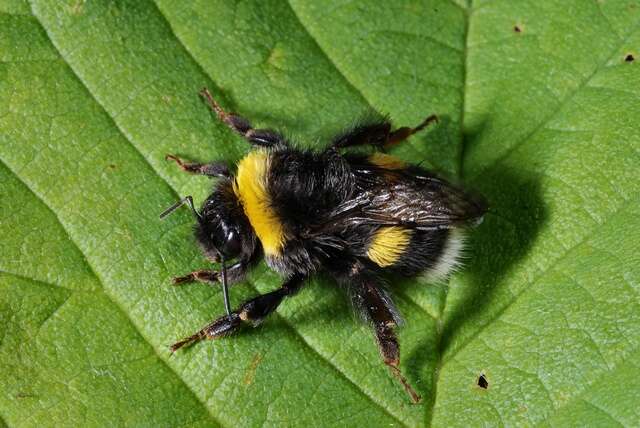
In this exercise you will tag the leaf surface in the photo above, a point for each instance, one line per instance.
(539, 113)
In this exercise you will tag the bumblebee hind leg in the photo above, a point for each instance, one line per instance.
(405, 132)
(253, 312)
(376, 307)
(379, 134)
(373, 134)
(257, 137)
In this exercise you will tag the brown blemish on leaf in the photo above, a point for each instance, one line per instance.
(629, 58)
(23, 395)
(77, 8)
(517, 28)
(251, 371)
(112, 166)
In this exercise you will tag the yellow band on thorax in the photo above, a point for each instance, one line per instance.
(388, 245)
(251, 188)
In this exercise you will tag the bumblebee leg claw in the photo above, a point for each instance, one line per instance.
(415, 398)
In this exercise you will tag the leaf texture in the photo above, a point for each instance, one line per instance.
(539, 109)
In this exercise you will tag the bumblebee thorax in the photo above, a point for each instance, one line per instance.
(252, 189)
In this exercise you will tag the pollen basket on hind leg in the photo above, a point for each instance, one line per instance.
(251, 188)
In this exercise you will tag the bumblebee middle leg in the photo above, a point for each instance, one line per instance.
(253, 311)
(257, 137)
(213, 169)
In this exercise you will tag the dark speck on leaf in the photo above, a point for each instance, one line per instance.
(483, 382)
(629, 58)
(517, 29)
(112, 166)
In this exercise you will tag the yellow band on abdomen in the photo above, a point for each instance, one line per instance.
(388, 245)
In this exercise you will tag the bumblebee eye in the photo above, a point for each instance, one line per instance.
(232, 244)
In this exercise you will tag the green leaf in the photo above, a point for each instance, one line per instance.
(539, 110)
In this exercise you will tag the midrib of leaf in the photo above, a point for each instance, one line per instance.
(562, 256)
(128, 138)
(440, 362)
(103, 290)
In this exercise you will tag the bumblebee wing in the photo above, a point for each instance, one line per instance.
(427, 203)
(407, 196)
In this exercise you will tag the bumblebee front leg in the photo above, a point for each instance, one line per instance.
(252, 311)
(257, 137)
(235, 273)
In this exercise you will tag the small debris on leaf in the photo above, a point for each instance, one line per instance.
(483, 382)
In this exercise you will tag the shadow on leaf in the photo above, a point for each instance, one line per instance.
(516, 214)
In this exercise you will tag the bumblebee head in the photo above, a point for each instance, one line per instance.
(223, 229)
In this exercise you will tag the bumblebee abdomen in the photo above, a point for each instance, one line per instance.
(409, 252)
(388, 245)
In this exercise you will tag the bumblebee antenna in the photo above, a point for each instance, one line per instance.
(186, 200)
(225, 286)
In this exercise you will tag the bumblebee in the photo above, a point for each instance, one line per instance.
(356, 217)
